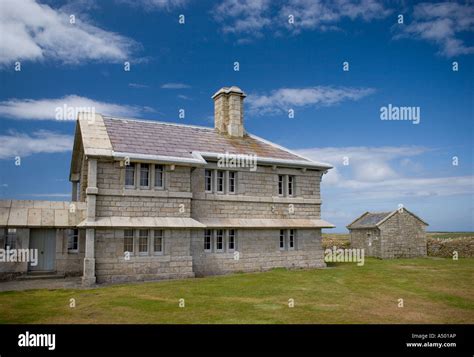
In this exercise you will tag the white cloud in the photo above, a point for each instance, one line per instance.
(251, 18)
(138, 85)
(46, 109)
(378, 173)
(441, 24)
(284, 99)
(156, 4)
(42, 141)
(37, 32)
(175, 86)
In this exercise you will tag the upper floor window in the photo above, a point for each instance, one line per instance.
(280, 184)
(72, 240)
(291, 180)
(208, 180)
(158, 241)
(159, 176)
(144, 175)
(231, 181)
(130, 175)
(220, 181)
(10, 238)
(286, 185)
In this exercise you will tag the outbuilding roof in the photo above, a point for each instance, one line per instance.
(373, 220)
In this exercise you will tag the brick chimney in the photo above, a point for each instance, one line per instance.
(229, 111)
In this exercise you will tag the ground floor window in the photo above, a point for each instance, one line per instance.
(128, 241)
(287, 239)
(148, 242)
(158, 241)
(72, 240)
(10, 238)
(220, 240)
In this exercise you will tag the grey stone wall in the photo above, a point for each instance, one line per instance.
(360, 239)
(403, 236)
(111, 265)
(69, 264)
(258, 251)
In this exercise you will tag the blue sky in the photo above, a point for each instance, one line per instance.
(283, 66)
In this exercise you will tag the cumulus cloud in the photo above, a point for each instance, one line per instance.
(42, 141)
(37, 32)
(441, 24)
(48, 109)
(283, 99)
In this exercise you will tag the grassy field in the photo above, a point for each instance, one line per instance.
(433, 290)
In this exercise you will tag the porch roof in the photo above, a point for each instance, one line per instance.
(38, 214)
(141, 222)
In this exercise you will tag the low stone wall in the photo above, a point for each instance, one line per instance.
(441, 247)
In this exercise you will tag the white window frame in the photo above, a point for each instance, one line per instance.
(210, 240)
(134, 166)
(147, 242)
(162, 171)
(162, 237)
(133, 241)
(211, 172)
(73, 233)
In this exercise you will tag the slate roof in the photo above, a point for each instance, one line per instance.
(167, 139)
(369, 220)
(373, 220)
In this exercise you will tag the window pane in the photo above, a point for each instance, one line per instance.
(207, 239)
(158, 175)
(280, 184)
(73, 239)
(220, 181)
(231, 243)
(231, 181)
(208, 180)
(144, 175)
(143, 241)
(291, 238)
(10, 240)
(130, 175)
(128, 241)
(158, 241)
(290, 185)
(282, 239)
(220, 239)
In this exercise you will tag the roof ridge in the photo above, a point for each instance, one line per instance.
(158, 122)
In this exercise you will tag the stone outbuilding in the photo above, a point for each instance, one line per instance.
(396, 234)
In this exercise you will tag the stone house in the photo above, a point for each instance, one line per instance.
(396, 234)
(154, 200)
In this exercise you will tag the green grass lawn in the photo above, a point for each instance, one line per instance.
(433, 290)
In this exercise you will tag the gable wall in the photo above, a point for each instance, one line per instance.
(403, 236)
